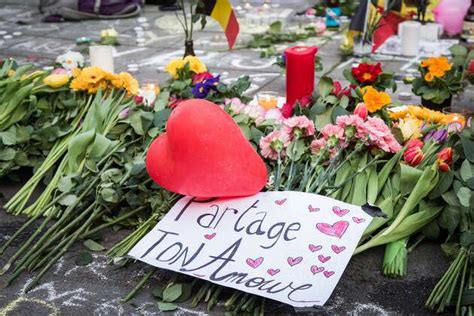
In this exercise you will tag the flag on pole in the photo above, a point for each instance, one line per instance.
(359, 20)
(222, 12)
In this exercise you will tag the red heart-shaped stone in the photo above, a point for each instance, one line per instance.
(204, 154)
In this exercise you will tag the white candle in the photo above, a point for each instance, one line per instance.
(409, 33)
(102, 56)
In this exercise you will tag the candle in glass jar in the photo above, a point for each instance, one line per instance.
(299, 72)
(267, 100)
(102, 56)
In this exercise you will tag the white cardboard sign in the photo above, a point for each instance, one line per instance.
(287, 246)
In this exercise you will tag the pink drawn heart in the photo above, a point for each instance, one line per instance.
(316, 269)
(358, 220)
(338, 249)
(324, 259)
(314, 248)
(210, 236)
(294, 261)
(280, 202)
(336, 230)
(254, 263)
(328, 274)
(313, 209)
(339, 212)
(272, 272)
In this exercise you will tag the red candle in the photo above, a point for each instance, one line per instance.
(299, 72)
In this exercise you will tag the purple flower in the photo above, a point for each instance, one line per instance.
(202, 89)
(438, 136)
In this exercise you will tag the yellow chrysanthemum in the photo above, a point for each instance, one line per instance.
(56, 80)
(129, 83)
(375, 100)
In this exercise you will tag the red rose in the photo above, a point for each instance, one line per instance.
(337, 87)
(197, 78)
(287, 110)
(367, 73)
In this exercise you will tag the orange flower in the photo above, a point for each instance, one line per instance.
(445, 158)
(375, 100)
(429, 77)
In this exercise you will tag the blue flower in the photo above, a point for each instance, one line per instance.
(201, 89)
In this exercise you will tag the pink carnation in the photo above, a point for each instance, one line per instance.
(274, 114)
(355, 121)
(274, 144)
(236, 106)
(317, 145)
(298, 125)
(381, 136)
(332, 130)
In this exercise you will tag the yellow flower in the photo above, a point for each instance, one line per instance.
(427, 115)
(32, 75)
(195, 64)
(11, 73)
(375, 100)
(129, 83)
(410, 128)
(437, 67)
(56, 81)
(173, 67)
(92, 74)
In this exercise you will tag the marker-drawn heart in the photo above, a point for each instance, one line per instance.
(338, 249)
(358, 220)
(336, 230)
(316, 269)
(280, 202)
(205, 154)
(314, 248)
(272, 272)
(328, 274)
(339, 212)
(210, 236)
(313, 209)
(324, 259)
(254, 263)
(294, 261)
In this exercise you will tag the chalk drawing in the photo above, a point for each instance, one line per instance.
(110, 307)
(69, 298)
(99, 263)
(44, 46)
(364, 309)
(16, 304)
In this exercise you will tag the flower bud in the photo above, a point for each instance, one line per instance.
(361, 110)
(414, 143)
(413, 156)
(445, 157)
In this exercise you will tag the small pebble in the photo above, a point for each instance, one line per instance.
(17, 33)
(7, 37)
(3, 32)
(142, 19)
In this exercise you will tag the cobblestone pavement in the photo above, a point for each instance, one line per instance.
(97, 288)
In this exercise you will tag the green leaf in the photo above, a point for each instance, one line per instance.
(68, 200)
(275, 27)
(468, 146)
(325, 86)
(83, 259)
(93, 246)
(166, 307)
(109, 195)
(450, 198)
(296, 149)
(467, 170)
(157, 292)
(450, 218)
(344, 102)
(186, 293)
(65, 184)
(445, 182)
(246, 131)
(172, 293)
(458, 50)
(464, 196)
(338, 111)
(7, 154)
(323, 119)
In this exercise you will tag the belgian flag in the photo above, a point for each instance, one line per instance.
(222, 12)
